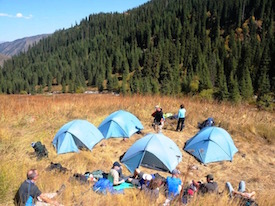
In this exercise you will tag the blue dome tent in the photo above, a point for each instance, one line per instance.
(120, 124)
(211, 144)
(76, 134)
(155, 151)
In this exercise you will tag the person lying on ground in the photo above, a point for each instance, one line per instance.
(140, 178)
(209, 187)
(29, 194)
(115, 174)
(241, 191)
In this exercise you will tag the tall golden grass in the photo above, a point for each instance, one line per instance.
(25, 119)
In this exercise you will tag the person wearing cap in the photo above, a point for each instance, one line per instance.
(209, 187)
(158, 119)
(173, 185)
(114, 174)
(29, 194)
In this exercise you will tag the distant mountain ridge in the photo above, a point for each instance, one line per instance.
(19, 45)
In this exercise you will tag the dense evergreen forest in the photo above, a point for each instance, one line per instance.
(218, 49)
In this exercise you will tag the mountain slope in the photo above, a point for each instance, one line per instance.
(20, 45)
(217, 49)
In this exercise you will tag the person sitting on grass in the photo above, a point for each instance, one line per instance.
(29, 194)
(173, 186)
(209, 187)
(115, 174)
(241, 193)
(152, 189)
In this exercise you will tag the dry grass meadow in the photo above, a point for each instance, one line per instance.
(26, 119)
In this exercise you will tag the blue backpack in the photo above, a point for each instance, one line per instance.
(102, 186)
(207, 123)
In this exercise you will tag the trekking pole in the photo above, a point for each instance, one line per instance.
(184, 180)
(82, 193)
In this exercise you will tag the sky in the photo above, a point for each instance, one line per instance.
(24, 18)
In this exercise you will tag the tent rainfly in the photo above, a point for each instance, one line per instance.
(120, 124)
(211, 144)
(75, 135)
(155, 151)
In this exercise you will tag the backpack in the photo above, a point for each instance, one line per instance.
(102, 186)
(57, 167)
(207, 123)
(82, 179)
(40, 150)
(98, 174)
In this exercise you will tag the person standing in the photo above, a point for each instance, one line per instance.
(158, 119)
(181, 118)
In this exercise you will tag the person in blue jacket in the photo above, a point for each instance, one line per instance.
(181, 118)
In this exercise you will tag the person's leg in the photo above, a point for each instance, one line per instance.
(230, 188)
(156, 126)
(241, 186)
(160, 127)
(48, 195)
(181, 123)
(178, 125)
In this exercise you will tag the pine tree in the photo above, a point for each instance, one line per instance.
(234, 89)
(246, 84)
(222, 93)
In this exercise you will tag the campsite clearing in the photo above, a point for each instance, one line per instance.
(25, 119)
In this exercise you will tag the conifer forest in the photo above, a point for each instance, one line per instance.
(219, 49)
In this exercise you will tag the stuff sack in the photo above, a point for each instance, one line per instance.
(40, 150)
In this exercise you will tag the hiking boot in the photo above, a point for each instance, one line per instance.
(61, 189)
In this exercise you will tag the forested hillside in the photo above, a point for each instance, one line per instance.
(222, 49)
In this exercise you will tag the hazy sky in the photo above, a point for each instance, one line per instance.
(23, 18)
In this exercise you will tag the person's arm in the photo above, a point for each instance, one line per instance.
(245, 194)
(116, 178)
(44, 198)
(196, 184)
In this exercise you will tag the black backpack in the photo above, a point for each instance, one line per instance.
(56, 167)
(40, 150)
